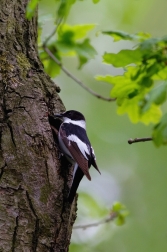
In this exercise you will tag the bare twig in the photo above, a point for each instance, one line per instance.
(65, 70)
(112, 216)
(74, 78)
(137, 140)
(53, 33)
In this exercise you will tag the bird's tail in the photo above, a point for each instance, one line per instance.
(95, 165)
(77, 176)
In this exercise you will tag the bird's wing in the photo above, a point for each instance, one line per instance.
(76, 152)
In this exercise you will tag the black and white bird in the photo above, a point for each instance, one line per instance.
(76, 147)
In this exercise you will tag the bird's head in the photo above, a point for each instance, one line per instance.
(72, 115)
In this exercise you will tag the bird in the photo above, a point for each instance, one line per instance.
(75, 145)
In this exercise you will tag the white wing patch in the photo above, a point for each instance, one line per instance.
(93, 153)
(81, 145)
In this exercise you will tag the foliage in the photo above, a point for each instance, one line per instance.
(31, 7)
(70, 41)
(140, 90)
(118, 210)
(102, 216)
(121, 212)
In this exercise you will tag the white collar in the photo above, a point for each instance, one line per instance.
(80, 123)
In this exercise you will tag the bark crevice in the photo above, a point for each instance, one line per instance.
(36, 231)
(11, 133)
(15, 235)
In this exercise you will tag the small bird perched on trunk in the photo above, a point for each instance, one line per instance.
(76, 147)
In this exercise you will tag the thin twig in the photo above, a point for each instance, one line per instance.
(137, 140)
(53, 33)
(112, 216)
(65, 70)
(74, 78)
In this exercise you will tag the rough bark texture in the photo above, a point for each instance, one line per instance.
(34, 215)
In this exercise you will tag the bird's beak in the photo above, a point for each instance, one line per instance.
(58, 115)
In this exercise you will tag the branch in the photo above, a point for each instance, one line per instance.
(53, 33)
(74, 78)
(112, 216)
(65, 70)
(137, 140)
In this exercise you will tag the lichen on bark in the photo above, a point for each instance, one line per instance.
(34, 215)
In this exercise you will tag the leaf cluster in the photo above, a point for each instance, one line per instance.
(121, 212)
(141, 89)
(70, 41)
(118, 212)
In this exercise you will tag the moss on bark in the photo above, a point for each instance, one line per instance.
(33, 211)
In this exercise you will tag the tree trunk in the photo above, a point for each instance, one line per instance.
(34, 215)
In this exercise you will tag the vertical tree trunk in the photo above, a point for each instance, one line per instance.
(33, 213)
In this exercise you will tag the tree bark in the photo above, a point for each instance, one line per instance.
(34, 215)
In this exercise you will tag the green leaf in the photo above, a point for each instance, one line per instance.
(133, 94)
(131, 108)
(121, 212)
(123, 86)
(143, 36)
(120, 220)
(66, 49)
(78, 31)
(158, 95)
(107, 78)
(161, 74)
(31, 7)
(149, 44)
(117, 206)
(95, 1)
(64, 8)
(68, 44)
(136, 114)
(119, 35)
(85, 51)
(50, 65)
(160, 132)
(51, 68)
(152, 115)
(82, 60)
(146, 81)
(123, 58)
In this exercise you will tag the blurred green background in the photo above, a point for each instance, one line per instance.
(133, 174)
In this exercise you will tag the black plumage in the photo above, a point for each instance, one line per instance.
(75, 145)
